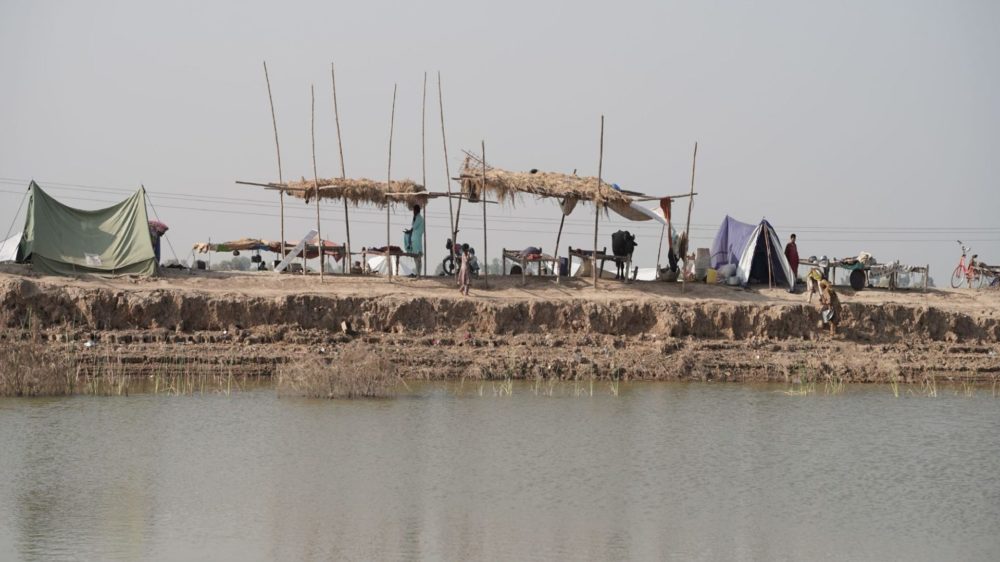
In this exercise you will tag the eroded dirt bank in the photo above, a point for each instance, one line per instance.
(649, 331)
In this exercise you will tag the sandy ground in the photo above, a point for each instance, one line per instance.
(506, 288)
(258, 322)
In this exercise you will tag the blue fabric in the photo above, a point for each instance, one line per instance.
(730, 242)
(413, 240)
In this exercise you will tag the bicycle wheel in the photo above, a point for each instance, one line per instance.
(448, 265)
(976, 279)
(957, 277)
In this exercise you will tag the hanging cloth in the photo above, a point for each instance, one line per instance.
(665, 207)
(568, 204)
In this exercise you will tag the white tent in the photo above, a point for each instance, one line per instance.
(8, 248)
(379, 264)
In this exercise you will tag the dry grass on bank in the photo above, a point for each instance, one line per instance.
(29, 369)
(353, 374)
(32, 367)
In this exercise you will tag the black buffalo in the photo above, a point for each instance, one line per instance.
(622, 245)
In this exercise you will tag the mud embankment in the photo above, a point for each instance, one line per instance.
(434, 337)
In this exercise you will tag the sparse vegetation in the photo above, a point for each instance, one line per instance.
(33, 367)
(353, 374)
(28, 368)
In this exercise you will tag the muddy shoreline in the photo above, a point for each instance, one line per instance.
(252, 325)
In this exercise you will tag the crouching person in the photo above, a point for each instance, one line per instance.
(829, 304)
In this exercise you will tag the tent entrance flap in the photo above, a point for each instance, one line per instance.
(762, 272)
(62, 240)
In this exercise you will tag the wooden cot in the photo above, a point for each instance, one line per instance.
(524, 260)
(602, 257)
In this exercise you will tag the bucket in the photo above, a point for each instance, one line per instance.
(702, 258)
(710, 277)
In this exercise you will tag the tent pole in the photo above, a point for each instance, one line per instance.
(597, 207)
(312, 132)
(767, 244)
(482, 195)
(562, 220)
(423, 169)
(343, 172)
(451, 217)
(277, 147)
(687, 227)
(388, 183)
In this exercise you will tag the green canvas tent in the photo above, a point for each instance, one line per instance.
(61, 240)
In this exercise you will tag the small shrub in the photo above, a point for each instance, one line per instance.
(354, 374)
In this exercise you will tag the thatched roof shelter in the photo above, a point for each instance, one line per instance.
(359, 190)
(507, 186)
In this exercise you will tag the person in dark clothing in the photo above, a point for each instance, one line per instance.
(792, 255)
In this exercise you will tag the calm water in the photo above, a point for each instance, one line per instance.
(662, 472)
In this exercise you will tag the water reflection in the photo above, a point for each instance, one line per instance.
(662, 471)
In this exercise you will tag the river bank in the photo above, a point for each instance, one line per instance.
(251, 324)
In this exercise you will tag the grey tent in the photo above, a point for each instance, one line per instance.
(61, 240)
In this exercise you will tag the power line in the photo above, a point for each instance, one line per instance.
(963, 231)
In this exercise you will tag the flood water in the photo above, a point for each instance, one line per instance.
(664, 471)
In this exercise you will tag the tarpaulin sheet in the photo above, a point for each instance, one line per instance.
(61, 240)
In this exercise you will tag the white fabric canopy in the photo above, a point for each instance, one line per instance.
(379, 265)
(8, 248)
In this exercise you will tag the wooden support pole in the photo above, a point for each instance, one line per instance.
(277, 148)
(388, 183)
(343, 171)
(312, 130)
(423, 169)
(451, 217)
(687, 227)
(659, 251)
(597, 207)
(482, 195)
(562, 221)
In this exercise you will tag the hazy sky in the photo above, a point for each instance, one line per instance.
(865, 125)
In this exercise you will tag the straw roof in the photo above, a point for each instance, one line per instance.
(360, 190)
(507, 185)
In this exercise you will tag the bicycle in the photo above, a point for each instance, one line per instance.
(454, 257)
(969, 274)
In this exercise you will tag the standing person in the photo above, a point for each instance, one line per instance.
(413, 237)
(463, 271)
(829, 306)
(792, 255)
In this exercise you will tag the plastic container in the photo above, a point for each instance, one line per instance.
(702, 258)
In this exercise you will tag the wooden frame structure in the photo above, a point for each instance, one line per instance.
(523, 261)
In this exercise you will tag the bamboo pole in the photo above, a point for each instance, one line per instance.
(343, 171)
(312, 130)
(485, 265)
(451, 217)
(423, 167)
(562, 220)
(659, 250)
(687, 227)
(597, 207)
(277, 148)
(388, 182)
